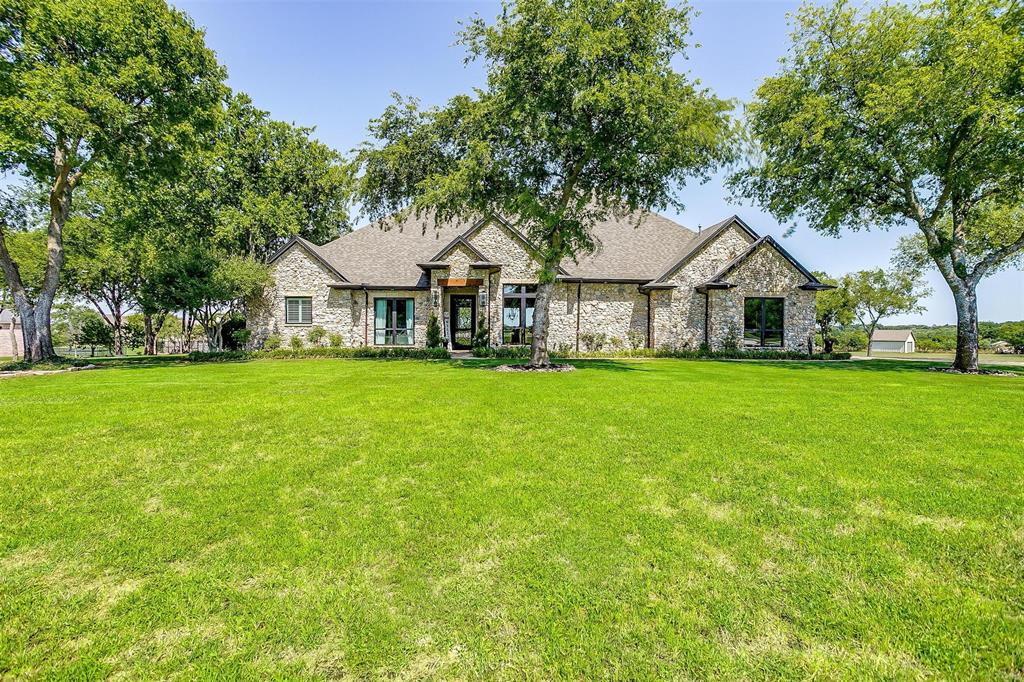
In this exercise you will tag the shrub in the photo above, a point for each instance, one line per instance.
(482, 338)
(433, 332)
(523, 353)
(731, 342)
(368, 352)
(273, 342)
(296, 342)
(335, 340)
(636, 339)
(593, 342)
(316, 335)
(241, 337)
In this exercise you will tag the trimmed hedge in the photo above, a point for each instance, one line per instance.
(523, 353)
(319, 352)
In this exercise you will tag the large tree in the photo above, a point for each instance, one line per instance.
(582, 117)
(894, 114)
(85, 82)
(874, 295)
(270, 180)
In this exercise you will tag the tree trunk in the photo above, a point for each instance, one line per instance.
(153, 324)
(966, 298)
(539, 348)
(118, 335)
(827, 343)
(14, 337)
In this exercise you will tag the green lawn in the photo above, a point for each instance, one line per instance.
(631, 520)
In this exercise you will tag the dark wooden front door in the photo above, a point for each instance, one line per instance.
(463, 321)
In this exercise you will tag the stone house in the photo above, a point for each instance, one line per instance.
(651, 283)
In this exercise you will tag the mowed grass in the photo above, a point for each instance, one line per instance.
(631, 520)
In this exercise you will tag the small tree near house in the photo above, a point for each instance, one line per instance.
(582, 117)
(877, 294)
(833, 308)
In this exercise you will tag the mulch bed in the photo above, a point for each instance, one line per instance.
(533, 368)
(986, 372)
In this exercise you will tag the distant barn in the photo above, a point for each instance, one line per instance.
(893, 341)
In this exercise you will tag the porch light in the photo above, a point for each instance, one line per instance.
(483, 298)
(434, 298)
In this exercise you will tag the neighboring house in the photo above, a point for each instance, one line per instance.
(1001, 347)
(10, 344)
(893, 341)
(651, 283)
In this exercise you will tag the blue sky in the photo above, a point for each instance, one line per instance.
(333, 65)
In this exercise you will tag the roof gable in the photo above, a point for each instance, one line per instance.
(311, 250)
(718, 281)
(703, 240)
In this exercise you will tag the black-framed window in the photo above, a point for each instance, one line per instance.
(763, 322)
(393, 321)
(298, 310)
(518, 301)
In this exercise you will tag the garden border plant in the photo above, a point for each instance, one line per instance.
(523, 353)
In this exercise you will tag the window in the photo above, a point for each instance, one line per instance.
(298, 310)
(762, 322)
(517, 314)
(393, 322)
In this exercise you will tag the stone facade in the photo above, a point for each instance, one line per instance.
(672, 314)
(679, 312)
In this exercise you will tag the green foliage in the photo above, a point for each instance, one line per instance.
(273, 342)
(1013, 334)
(833, 309)
(482, 337)
(893, 113)
(316, 335)
(593, 341)
(298, 352)
(335, 341)
(94, 333)
(582, 117)
(523, 353)
(873, 295)
(296, 342)
(433, 332)
(266, 180)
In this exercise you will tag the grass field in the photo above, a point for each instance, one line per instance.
(631, 520)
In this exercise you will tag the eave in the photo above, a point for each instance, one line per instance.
(353, 286)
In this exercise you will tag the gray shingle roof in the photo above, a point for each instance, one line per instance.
(900, 335)
(641, 250)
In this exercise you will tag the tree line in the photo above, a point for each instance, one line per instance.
(140, 184)
(901, 114)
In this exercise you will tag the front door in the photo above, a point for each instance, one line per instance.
(463, 321)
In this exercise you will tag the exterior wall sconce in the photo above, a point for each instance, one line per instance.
(435, 297)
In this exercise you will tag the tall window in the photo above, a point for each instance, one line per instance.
(393, 322)
(298, 310)
(762, 322)
(517, 314)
